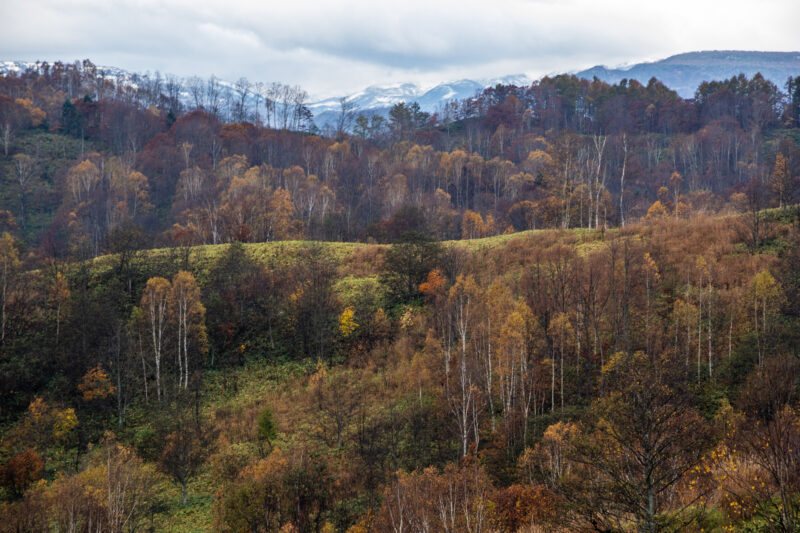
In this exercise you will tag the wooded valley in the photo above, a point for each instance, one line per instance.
(571, 306)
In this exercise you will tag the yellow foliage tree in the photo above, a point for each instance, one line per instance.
(766, 295)
(280, 213)
(347, 322)
(81, 180)
(471, 225)
(780, 181)
(656, 211)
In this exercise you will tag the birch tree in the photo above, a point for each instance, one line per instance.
(189, 315)
(155, 305)
(9, 261)
(462, 394)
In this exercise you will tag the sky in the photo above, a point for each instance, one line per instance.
(333, 48)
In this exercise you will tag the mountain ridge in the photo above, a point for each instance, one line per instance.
(681, 72)
(684, 72)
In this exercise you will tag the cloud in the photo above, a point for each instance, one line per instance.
(332, 47)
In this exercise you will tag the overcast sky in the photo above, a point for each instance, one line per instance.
(338, 47)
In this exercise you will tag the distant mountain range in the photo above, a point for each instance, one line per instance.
(682, 72)
(379, 99)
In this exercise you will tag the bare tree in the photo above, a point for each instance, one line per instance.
(213, 94)
(188, 443)
(642, 440)
(243, 87)
(271, 100)
(173, 88)
(258, 94)
(25, 166)
(299, 97)
(622, 180)
(196, 91)
(347, 111)
(598, 176)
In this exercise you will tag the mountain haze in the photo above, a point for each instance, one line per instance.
(684, 72)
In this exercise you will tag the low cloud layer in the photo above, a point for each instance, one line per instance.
(341, 46)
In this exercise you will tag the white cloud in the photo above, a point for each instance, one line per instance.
(332, 47)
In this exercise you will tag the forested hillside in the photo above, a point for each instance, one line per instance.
(84, 156)
(564, 307)
(554, 380)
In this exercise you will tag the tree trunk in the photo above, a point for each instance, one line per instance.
(3, 319)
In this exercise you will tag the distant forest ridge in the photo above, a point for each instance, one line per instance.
(682, 73)
(89, 158)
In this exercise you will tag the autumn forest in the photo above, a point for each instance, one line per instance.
(569, 306)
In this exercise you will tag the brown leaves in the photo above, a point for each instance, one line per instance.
(280, 214)
(434, 286)
(96, 385)
(520, 506)
(21, 470)
(759, 472)
(454, 499)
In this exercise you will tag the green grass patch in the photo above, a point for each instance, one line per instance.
(195, 515)
(258, 378)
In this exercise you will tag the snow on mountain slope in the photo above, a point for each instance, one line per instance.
(378, 100)
(370, 101)
(113, 74)
(682, 72)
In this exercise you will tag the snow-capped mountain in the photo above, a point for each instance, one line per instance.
(372, 100)
(7, 67)
(683, 72)
(113, 74)
(379, 99)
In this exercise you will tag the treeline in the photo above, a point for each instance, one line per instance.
(561, 153)
(273, 105)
